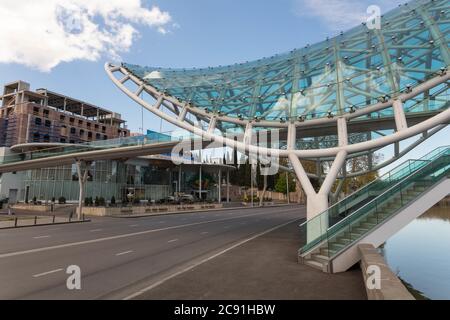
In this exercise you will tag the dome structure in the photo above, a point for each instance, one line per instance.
(348, 96)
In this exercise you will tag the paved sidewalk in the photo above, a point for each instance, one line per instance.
(264, 268)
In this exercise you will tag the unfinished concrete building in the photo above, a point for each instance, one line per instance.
(44, 116)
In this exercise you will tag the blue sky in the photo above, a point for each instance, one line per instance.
(167, 33)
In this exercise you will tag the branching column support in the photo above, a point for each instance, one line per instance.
(316, 203)
(82, 170)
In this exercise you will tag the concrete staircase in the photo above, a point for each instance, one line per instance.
(320, 257)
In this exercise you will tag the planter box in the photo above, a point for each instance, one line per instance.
(144, 210)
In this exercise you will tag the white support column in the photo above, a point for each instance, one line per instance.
(301, 175)
(139, 90)
(248, 134)
(228, 186)
(292, 134)
(179, 179)
(200, 182)
(212, 125)
(399, 114)
(82, 178)
(220, 186)
(159, 102)
(342, 132)
(287, 189)
(333, 173)
(183, 114)
(125, 79)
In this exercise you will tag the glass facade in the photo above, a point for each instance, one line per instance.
(351, 71)
(107, 179)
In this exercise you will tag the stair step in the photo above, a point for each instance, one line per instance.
(343, 241)
(369, 225)
(314, 264)
(320, 258)
(335, 246)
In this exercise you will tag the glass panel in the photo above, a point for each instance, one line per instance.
(357, 214)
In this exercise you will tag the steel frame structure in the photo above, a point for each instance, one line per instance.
(398, 71)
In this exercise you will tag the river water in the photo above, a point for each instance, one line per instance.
(420, 254)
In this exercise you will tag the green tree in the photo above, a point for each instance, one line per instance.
(280, 185)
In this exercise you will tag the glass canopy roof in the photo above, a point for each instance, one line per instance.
(350, 71)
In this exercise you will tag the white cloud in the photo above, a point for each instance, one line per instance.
(42, 34)
(341, 14)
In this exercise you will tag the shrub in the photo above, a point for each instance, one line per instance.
(88, 201)
(62, 200)
(34, 200)
(53, 200)
(113, 200)
(101, 202)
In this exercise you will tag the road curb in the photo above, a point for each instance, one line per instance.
(198, 211)
(46, 224)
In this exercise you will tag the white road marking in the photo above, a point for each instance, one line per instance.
(194, 265)
(205, 232)
(124, 253)
(46, 273)
(96, 230)
(41, 237)
(128, 235)
(174, 240)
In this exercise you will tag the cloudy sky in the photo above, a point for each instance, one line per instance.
(62, 45)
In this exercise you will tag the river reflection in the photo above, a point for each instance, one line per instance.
(420, 253)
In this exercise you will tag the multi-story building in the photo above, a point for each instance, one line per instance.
(42, 119)
(44, 116)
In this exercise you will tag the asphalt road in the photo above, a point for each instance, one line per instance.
(119, 257)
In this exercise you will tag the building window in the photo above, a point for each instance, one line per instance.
(89, 134)
(48, 123)
(72, 120)
(38, 121)
(62, 140)
(62, 118)
(46, 112)
(36, 137)
(96, 126)
(80, 122)
(103, 129)
(46, 138)
(88, 124)
(97, 136)
(36, 110)
(105, 137)
(72, 141)
(73, 130)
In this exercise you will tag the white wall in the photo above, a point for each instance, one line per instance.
(10, 180)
